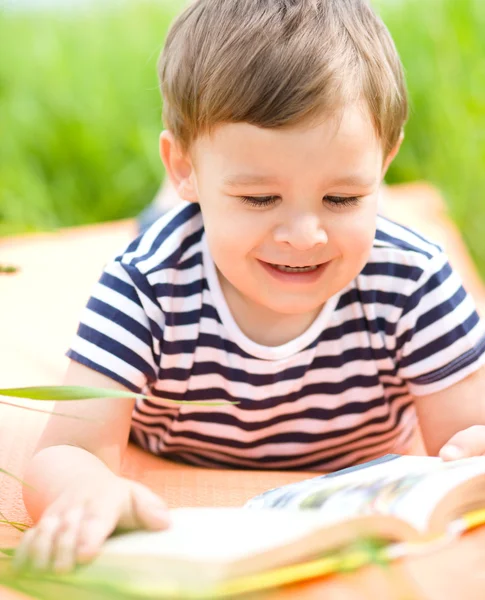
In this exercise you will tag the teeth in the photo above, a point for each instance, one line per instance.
(287, 269)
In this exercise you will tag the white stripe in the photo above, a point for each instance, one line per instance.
(441, 327)
(171, 243)
(291, 425)
(246, 389)
(109, 361)
(121, 302)
(400, 233)
(116, 332)
(318, 450)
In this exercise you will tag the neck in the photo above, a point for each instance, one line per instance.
(262, 325)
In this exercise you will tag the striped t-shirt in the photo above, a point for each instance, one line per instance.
(340, 393)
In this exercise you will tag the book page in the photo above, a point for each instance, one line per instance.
(408, 487)
(221, 535)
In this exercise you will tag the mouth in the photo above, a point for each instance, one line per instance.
(295, 274)
(289, 269)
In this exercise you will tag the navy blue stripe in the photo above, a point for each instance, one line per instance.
(135, 440)
(117, 349)
(355, 296)
(98, 368)
(189, 263)
(177, 319)
(192, 317)
(141, 283)
(129, 291)
(431, 284)
(444, 341)
(120, 318)
(332, 454)
(179, 221)
(432, 316)
(121, 287)
(132, 247)
(246, 403)
(392, 270)
(233, 374)
(172, 290)
(371, 297)
(414, 233)
(180, 452)
(206, 340)
(398, 243)
(439, 311)
(460, 363)
(315, 413)
(172, 261)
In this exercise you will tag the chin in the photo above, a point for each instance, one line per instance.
(294, 308)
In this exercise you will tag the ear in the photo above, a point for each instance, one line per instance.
(178, 166)
(392, 155)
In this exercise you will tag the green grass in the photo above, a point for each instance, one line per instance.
(80, 114)
(80, 110)
(442, 46)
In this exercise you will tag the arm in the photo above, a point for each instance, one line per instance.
(77, 497)
(69, 448)
(455, 417)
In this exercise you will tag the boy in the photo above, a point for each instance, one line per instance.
(274, 285)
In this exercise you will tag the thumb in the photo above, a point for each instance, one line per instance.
(465, 443)
(149, 510)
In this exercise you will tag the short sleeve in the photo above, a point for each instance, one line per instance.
(120, 330)
(440, 339)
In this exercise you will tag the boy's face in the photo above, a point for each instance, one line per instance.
(289, 214)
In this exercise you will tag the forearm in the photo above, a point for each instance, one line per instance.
(54, 469)
(443, 414)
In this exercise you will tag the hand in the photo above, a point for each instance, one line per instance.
(73, 528)
(465, 443)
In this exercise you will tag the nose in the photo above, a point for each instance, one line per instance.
(302, 232)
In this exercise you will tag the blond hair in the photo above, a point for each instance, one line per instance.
(276, 63)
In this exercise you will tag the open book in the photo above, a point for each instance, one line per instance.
(411, 501)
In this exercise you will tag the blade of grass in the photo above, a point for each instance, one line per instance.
(46, 412)
(68, 393)
(11, 523)
(15, 477)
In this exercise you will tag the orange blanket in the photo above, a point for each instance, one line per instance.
(40, 308)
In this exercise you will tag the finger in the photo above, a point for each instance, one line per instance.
(149, 510)
(22, 552)
(469, 442)
(40, 546)
(100, 520)
(64, 551)
(92, 534)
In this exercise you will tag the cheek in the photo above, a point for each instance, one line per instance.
(233, 232)
(355, 234)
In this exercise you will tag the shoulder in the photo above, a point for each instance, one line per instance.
(402, 252)
(402, 265)
(171, 243)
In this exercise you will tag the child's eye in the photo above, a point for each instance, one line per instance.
(342, 200)
(259, 201)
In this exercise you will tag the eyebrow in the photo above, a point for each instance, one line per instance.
(248, 179)
(353, 181)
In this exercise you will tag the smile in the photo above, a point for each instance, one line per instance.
(295, 275)
(288, 269)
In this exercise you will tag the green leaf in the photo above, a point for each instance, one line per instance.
(46, 411)
(69, 393)
(13, 524)
(15, 477)
(19, 526)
